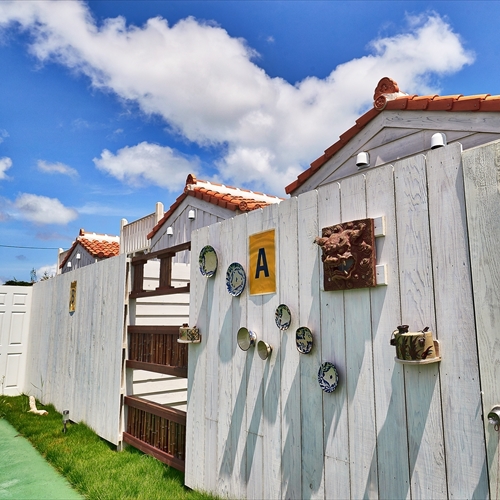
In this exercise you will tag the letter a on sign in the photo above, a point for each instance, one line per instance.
(262, 263)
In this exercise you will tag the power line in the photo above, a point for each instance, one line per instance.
(31, 248)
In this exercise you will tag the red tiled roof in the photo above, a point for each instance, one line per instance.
(388, 97)
(99, 246)
(229, 197)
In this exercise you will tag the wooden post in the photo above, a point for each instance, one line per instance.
(165, 271)
(138, 275)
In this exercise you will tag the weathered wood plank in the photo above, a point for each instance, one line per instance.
(359, 362)
(271, 422)
(224, 354)
(390, 408)
(195, 423)
(311, 404)
(455, 326)
(239, 376)
(291, 439)
(423, 398)
(255, 371)
(332, 331)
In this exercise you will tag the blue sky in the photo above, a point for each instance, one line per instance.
(106, 106)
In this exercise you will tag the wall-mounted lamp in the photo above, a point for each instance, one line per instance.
(78, 256)
(170, 231)
(363, 160)
(68, 265)
(438, 140)
(65, 419)
(191, 215)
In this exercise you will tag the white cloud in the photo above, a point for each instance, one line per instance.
(3, 134)
(206, 86)
(48, 270)
(5, 164)
(147, 163)
(56, 168)
(43, 210)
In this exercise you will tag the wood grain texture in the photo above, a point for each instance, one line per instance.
(332, 331)
(289, 394)
(225, 455)
(423, 398)
(254, 473)
(311, 403)
(238, 373)
(271, 410)
(83, 366)
(197, 360)
(455, 326)
(390, 414)
(359, 362)
(482, 194)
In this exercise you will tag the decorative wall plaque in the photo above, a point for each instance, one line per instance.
(72, 297)
(348, 255)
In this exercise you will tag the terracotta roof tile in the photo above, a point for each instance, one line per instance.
(388, 97)
(224, 196)
(99, 246)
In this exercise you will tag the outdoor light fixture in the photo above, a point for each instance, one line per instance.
(170, 231)
(191, 215)
(363, 160)
(68, 265)
(65, 419)
(438, 140)
(78, 256)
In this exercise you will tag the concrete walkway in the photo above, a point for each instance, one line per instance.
(24, 474)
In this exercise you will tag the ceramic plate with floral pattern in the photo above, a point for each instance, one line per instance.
(235, 279)
(304, 340)
(208, 261)
(283, 317)
(328, 377)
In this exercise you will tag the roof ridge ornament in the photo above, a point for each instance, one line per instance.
(387, 90)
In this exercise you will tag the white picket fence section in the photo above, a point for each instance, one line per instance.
(133, 236)
(264, 429)
(15, 307)
(75, 359)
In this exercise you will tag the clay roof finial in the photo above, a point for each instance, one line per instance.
(386, 90)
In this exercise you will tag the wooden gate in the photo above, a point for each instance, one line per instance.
(156, 429)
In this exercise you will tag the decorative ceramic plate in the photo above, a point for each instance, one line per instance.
(246, 338)
(283, 317)
(304, 340)
(328, 377)
(208, 261)
(235, 279)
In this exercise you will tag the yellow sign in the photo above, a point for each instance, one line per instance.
(262, 263)
(72, 297)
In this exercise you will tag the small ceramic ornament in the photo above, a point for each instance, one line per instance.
(246, 338)
(207, 261)
(235, 279)
(264, 349)
(328, 377)
(283, 317)
(304, 340)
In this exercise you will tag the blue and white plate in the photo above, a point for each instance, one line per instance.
(283, 317)
(208, 261)
(328, 377)
(235, 279)
(304, 340)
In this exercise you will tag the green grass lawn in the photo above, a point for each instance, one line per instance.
(90, 464)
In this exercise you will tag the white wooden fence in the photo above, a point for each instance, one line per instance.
(15, 306)
(75, 359)
(265, 429)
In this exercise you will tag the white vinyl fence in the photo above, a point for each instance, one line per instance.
(265, 429)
